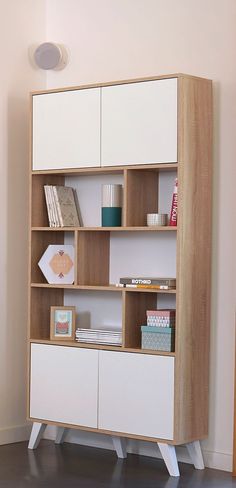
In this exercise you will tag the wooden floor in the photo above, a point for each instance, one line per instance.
(71, 465)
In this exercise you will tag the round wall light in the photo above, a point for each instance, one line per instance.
(50, 56)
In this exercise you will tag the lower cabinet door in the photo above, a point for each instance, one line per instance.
(64, 384)
(136, 394)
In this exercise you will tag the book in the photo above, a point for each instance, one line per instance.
(170, 282)
(56, 222)
(78, 208)
(99, 336)
(62, 206)
(49, 205)
(174, 205)
(155, 287)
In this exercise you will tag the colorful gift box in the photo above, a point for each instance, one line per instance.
(158, 338)
(161, 318)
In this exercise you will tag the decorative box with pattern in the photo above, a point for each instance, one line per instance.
(161, 318)
(158, 338)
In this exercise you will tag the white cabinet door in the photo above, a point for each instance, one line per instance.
(66, 129)
(136, 394)
(139, 123)
(64, 384)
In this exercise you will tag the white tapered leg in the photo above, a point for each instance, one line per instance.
(195, 453)
(61, 432)
(169, 455)
(36, 434)
(119, 444)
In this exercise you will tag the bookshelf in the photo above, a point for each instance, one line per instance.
(104, 254)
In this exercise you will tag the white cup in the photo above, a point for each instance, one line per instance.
(157, 219)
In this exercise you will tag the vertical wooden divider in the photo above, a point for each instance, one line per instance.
(141, 195)
(135, 306)
(193, 259)
(125, 197)
(123, 296)
(76, 251)
(93, 258)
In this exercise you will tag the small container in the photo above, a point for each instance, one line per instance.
(161, 318)
(158, 219)
(111, 205)
(158, 338)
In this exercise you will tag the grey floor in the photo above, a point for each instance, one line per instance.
(70, 465)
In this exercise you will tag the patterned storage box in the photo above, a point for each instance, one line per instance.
(161, 318)
(158, 338)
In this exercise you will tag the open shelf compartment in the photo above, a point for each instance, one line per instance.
(40, 241)
(135, 308)
(145, 190)
(90, 310)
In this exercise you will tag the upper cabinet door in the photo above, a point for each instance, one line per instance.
(66, 129)
(139, 123)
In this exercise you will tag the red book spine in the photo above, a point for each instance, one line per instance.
(174, 206)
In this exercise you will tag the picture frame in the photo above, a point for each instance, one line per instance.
(62, 323)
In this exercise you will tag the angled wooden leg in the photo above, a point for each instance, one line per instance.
(169, 455)
(61, 432)
(119, 444)
(195, 453)
(36, 434)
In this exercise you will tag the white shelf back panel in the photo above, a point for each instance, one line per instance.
(96, 310)
(66, 129)
(139, 123)
(142, 254)
(165, 191)
(64, 384)
(136, 394)
(89, 192)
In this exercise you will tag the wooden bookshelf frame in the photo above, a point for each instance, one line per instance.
(193, 250)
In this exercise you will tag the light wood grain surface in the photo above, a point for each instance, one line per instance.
(193, 259)
(193, 256)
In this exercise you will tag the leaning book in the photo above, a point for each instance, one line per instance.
(66, 206)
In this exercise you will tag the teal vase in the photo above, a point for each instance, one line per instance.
(111, 216)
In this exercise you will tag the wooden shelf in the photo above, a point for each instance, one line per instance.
(107, 229)
(102, 347)
(102, 288)
(106, 170)
(78, 287)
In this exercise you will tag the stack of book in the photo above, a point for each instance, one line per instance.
(62, 206)
(94, 336)
(151, 282)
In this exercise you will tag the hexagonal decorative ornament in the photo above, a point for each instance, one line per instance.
(57, 264)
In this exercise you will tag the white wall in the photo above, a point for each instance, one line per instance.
(112, 40)
(21, 24)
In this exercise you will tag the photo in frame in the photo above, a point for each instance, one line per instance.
(62, 323)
